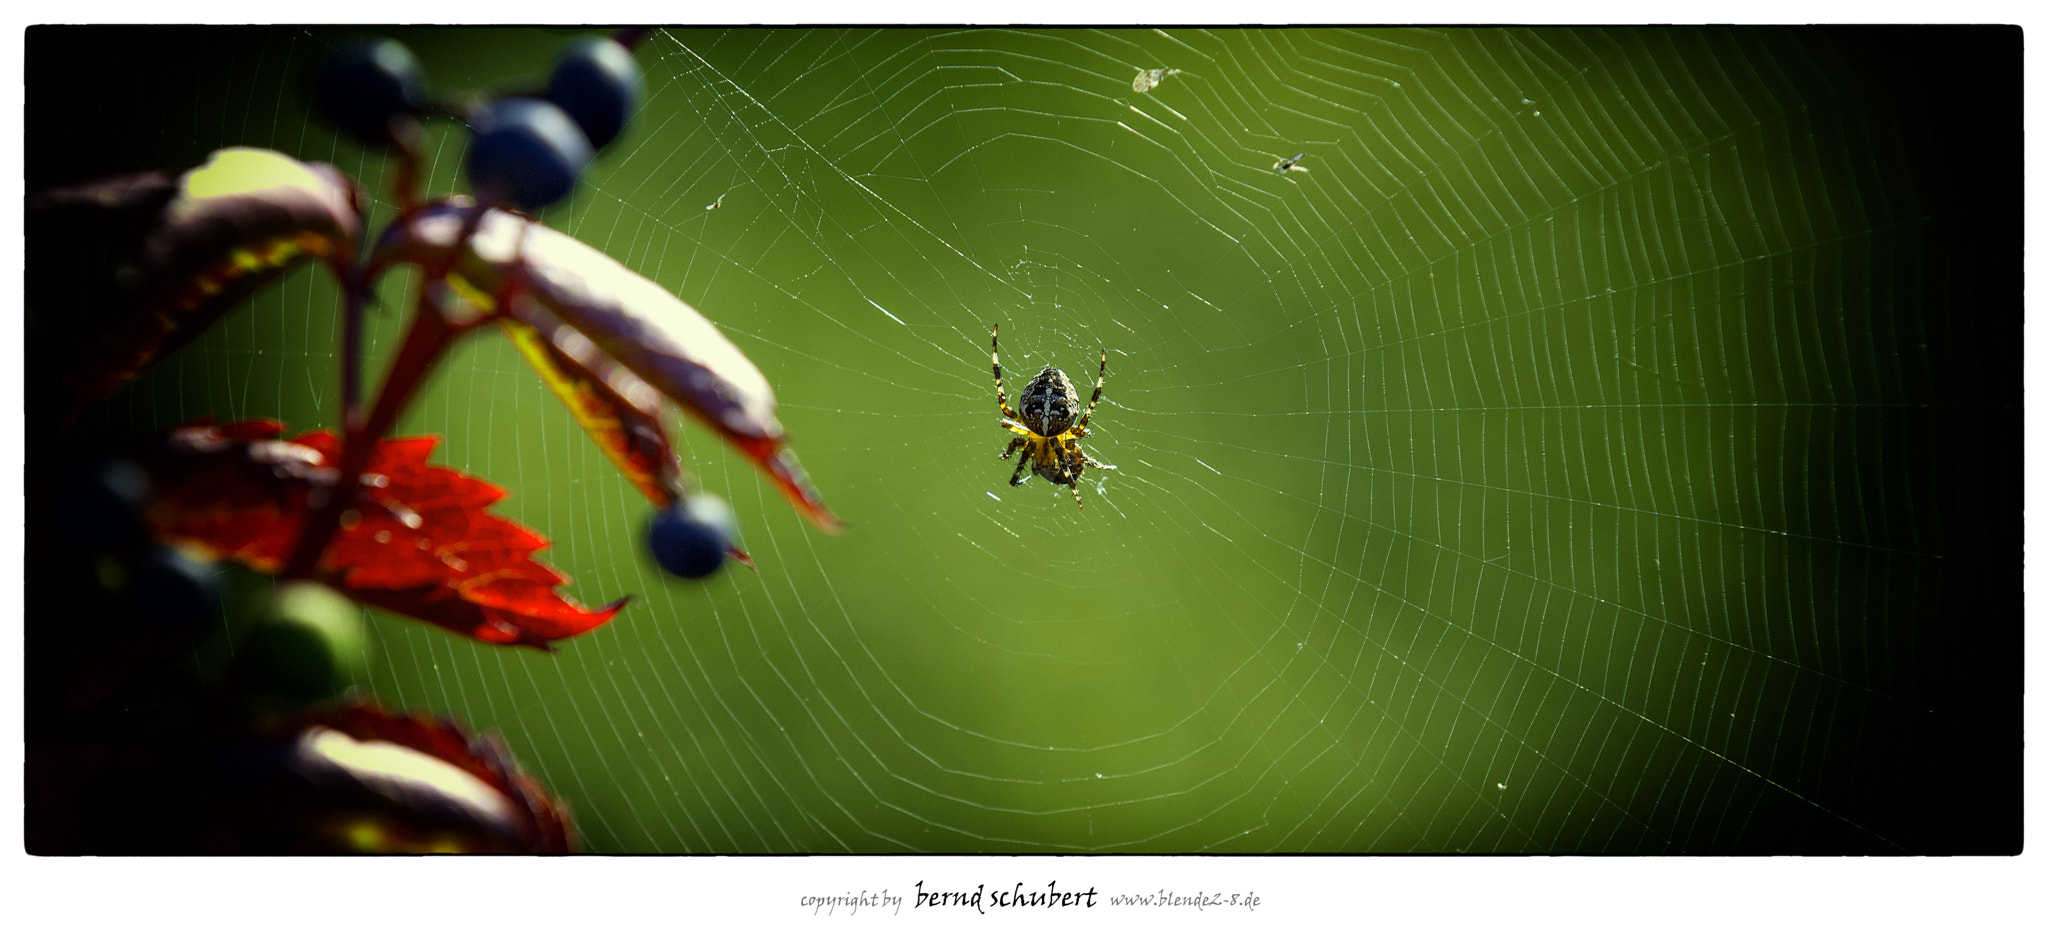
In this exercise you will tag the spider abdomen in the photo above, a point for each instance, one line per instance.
(1049, 403)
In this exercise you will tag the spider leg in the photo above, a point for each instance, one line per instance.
(1017, 476)
(1015, 443)
(995, 362)
(1071, 467)
(1100, 373)
(1083, 458)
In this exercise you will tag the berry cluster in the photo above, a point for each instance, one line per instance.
(526, 151)
(306, 640)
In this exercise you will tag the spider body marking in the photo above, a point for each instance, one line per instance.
(1044, 423)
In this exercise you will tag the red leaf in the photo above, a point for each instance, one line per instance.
(420, 544)
(102, 208)
(223, 231)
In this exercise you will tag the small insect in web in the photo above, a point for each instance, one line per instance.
(1285, 165)
(1146, 80)
(1045, 428)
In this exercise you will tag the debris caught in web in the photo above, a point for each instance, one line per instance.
(1290, 164)
(1146, 80)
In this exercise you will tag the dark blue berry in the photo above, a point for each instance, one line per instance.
(174, 589)
(363, 84)
(525, 152)
(101, 503)
(597, 82)
(691, 540)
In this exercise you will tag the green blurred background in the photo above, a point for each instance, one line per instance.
(1609, 444)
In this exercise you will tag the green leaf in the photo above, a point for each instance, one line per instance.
(234, 225)
(623, 331)
(627, 430)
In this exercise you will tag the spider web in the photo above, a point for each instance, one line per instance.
(1567, 460)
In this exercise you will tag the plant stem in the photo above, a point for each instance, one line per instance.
(407, 139)
(429, 337)
(353, 289)
(430, 334)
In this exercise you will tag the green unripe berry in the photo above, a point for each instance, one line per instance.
(307, 643)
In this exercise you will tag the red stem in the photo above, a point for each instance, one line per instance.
(353, 287)
(429, 335)
(407, 139)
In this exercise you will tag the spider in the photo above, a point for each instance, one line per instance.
(1045, 427)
